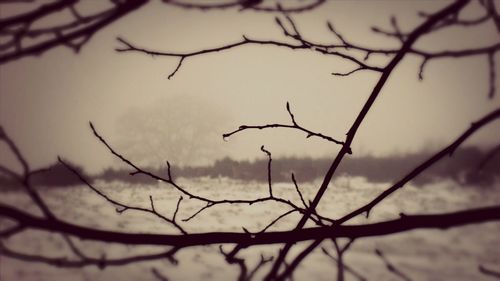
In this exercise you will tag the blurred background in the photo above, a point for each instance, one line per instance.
(47, 102)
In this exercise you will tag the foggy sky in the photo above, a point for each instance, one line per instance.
(46, 102)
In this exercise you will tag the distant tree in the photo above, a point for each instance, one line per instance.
(184, 130)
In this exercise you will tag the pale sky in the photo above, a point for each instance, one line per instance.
(46, 102)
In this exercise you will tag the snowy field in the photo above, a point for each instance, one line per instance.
(420, 254)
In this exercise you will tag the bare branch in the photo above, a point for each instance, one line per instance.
(426, 164)
(340, 261)
(177, 208)
(410, 40)
(423, 166)
(404, 223)
(86, 261)
(277, 219)
(268, 170)
(176, 69)
(390, 266)
(6, 233)
(489, 272)
(73, 35)
(491, 64)
(421, 69)
(346, 267)
(493, 13)
(232, 259)
(121, 207)
(294, 125)
(209, 202)
(298, 191)
(128, 47)
(263, 260)
(74, 248)
(254, 5)
(290, 268)
(11, 173)
(158, 275)
(208, 205)
(79, 31)
(337, 34)
(302, 44)
(15, 150)
(348, 73)
(24, 178)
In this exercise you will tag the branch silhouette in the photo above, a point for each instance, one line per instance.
(402, 224)
(294, 125)
(411, 39)
(73, 35)
(489, 272)
(390, 266)
(76, 33)
(255, 5)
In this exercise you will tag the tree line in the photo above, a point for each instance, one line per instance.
(466, 167)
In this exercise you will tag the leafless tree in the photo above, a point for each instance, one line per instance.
(280, 267)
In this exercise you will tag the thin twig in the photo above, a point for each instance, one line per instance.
(346, 267)
(269, 182)
(294, 125)
(121, 207)
(390, 266)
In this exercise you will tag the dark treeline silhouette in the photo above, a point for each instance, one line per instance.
(55, 175)
(464, 167)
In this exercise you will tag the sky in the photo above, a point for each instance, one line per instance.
(46, 102)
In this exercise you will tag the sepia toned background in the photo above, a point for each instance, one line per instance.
(47, 101)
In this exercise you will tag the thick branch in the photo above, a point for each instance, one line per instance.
(411, 39)
(447, 151)
(402, 224)
(489, 272)
(73, 35)
(415, 172)
(246, 4)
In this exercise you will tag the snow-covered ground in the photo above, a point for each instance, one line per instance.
(453, 254)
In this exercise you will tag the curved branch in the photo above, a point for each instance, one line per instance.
(84, 261)
(425, 165)
(129, 47)
(294, 125)
(391, 267)
(411, 39)
(270, 159)
(402, 224)
(125, 207)
(489, 272)
(346, 267)
(254, 5)
(447, 151)
(209, 202)
(73, 35)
